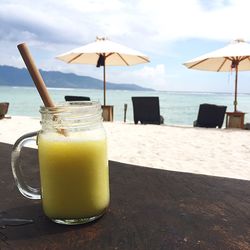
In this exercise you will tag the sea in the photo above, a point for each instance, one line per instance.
(177, 108)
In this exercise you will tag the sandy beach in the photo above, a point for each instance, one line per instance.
(217, 152)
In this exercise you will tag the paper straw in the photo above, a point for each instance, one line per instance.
(37, 79)
(35, 74)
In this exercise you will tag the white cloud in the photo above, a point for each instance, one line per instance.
(156, 21)
(189, 19)
(52, 27)
(154, 77)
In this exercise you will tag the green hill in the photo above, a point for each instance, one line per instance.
(11, 76)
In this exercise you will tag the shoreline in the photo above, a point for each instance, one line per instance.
(177, 108)
(216, 152)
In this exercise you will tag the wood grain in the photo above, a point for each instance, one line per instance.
(149, 209)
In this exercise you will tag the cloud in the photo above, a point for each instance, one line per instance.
(51, 27)
(154, 77)
(191, 19)
(158, 21)
(153, 22)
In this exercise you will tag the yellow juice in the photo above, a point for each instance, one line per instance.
(74, 175)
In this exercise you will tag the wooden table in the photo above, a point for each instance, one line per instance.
(235, 119)
(149, 209)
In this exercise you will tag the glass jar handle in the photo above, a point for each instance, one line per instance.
(24, 188)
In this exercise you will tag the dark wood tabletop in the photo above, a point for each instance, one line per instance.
(149, 209)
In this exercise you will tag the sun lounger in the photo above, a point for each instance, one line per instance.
(210, 116)
(147, 110)
(4, 106)
(70, 98)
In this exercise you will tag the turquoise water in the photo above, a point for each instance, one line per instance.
(177, 108)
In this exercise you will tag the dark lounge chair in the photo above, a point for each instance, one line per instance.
(70, 98)
(210, 116)
(4, 106)
(147, 110)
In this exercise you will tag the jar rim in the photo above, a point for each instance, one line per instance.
(61, 106)
(75, 115)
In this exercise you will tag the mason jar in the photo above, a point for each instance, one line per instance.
(73, 163)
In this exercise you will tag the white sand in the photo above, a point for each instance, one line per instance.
(218, 152)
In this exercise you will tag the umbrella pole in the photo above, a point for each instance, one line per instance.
(236, 87)
(104, 84)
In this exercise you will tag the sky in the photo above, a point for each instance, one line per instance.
(168, 32)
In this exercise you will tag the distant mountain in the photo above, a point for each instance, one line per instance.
(11, 76)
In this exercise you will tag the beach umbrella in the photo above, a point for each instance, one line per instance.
(104, 52)
(234, 56)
